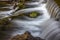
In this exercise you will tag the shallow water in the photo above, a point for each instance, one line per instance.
(19, 26)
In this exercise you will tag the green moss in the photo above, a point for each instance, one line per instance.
(21, 5)
(33, 14)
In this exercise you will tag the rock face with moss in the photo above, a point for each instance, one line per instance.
(57, 2)
(25, 36)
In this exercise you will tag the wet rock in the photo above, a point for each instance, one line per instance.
(25, 36)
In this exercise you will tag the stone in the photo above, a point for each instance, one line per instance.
(26, 36)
